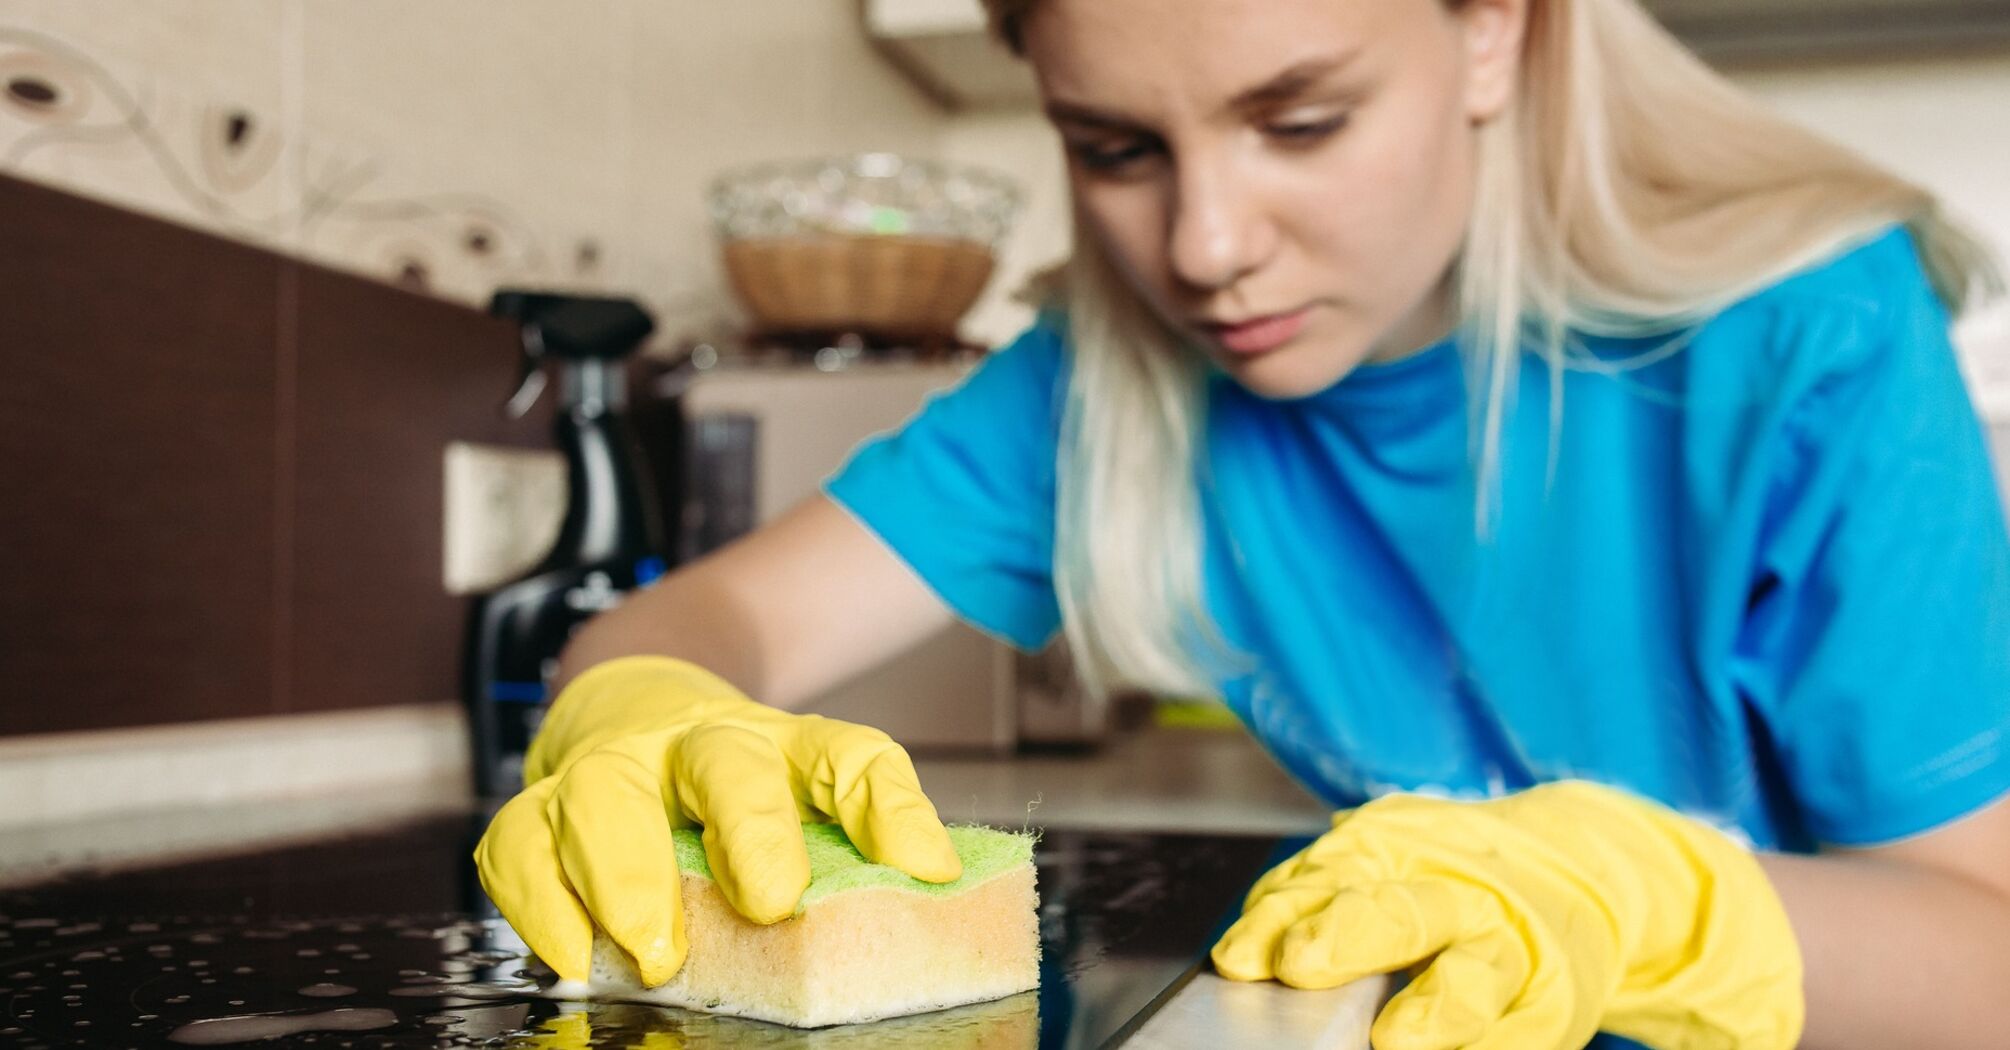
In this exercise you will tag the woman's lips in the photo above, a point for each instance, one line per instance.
(1259, 335)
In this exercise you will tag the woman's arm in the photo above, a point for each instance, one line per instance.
(783, 613)
(1909, 944)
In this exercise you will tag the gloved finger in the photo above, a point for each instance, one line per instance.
(1379, 927)
(736, 783)
(1459, 999)
(615, 846)
(1355, 851)
(1248, 951)
(1275, 877)
(517, 860)
(868, 784)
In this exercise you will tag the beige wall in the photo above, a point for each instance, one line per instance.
(1023, 145)
(576, 138)
(1941, 121)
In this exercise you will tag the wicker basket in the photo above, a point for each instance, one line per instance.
(873, 244)
(896, 287)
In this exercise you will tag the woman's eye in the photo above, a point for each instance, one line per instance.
(1117, 159)
(1103, 158)
(1309, 131)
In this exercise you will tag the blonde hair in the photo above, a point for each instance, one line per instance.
(1629, 190)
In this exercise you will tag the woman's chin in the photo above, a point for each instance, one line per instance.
(1290, 371)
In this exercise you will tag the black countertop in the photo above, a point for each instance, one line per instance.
(384, 939)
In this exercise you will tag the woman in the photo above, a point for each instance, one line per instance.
(1551, 457)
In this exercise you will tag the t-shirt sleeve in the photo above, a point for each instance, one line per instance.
(1877, 642)
(963, 492)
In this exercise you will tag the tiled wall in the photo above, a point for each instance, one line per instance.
(221, 466)
(455, 144)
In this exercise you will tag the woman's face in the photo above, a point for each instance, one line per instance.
(1307, 164)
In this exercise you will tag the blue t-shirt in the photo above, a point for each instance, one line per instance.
(1768, 583)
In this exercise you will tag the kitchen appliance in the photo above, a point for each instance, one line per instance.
(611, 540)
(770, 421)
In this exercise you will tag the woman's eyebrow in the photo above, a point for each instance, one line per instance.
(1293, 82)
(1285, 86)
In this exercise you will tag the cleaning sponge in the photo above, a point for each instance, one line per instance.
(866, 942)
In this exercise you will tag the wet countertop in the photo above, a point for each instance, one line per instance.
(385, 940)
(359, 923)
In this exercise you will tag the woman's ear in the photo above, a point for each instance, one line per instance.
(1494, 31)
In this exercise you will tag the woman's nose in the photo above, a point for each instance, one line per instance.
(1218, 231)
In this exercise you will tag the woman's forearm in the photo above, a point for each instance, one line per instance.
(682, 616)
(1896, 954)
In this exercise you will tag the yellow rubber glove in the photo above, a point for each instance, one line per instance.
(638, 746)
(1538, 920)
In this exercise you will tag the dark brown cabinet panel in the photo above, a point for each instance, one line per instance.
(220, 473)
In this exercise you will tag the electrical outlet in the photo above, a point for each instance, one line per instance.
(503, 510)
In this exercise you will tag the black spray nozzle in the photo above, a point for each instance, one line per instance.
(572, 327)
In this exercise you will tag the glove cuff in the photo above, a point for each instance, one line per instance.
(624, 695)
(1732, 978)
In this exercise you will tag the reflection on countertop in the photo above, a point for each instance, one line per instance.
(388, 932)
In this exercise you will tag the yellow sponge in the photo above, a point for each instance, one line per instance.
(866, 942)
